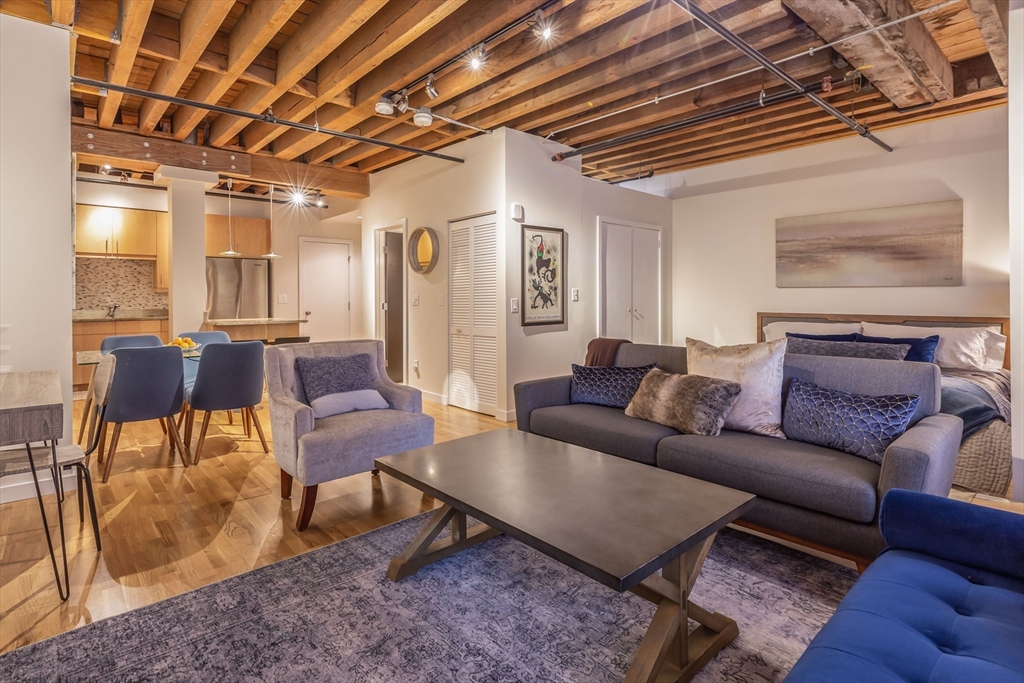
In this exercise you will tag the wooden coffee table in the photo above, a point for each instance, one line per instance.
(615, 520)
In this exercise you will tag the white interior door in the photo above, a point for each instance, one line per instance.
(473, 315)
(617, 283)
(646, 286)
(324, 295)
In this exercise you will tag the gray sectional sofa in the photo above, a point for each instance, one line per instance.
(808, 493)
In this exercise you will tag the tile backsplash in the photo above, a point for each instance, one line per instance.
(102, 282)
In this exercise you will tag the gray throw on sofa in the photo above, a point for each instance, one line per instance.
(815, 494)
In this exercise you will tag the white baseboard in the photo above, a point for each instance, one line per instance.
(20, 486)
(505, 415)
(434, 398)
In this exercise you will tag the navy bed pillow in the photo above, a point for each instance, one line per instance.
(602, 386)
(853, 423)
(921, 350)
(852, 336)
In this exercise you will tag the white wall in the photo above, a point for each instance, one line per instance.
(724, 224)
(36, 227)
(502, 168)
(1016, 210)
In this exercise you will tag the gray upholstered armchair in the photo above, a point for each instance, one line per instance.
(318, 450)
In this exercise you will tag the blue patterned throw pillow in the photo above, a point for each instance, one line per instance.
(852, 423)
(613, 387)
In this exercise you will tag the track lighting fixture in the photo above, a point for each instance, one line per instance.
(431, 88)
(478, 57)
(403, 100)
(105, 169)
(542, 27)
(297, 197)
(423, 117)
(320, 199)
(384, 106)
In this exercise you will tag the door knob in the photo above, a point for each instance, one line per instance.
(307, 313)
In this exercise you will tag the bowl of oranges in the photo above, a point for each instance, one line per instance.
(184, 343)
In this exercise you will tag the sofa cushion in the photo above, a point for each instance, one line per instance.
(912, 617)
(846, 349)
(603, 429)
(788, 471)
(689, 403)
(346, 444)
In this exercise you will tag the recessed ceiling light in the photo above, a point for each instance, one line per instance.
(384, 107)
(423, 117)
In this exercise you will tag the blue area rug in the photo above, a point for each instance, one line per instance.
(499, 611)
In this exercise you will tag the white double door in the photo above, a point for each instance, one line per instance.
(630, 282)
(473, 314)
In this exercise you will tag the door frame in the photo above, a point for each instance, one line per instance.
(601, 230)
(400, 226)
(308, 239)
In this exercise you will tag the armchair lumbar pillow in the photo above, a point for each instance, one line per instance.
(315, 450)
(336, 385)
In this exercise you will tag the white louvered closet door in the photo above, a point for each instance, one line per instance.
(473, 315)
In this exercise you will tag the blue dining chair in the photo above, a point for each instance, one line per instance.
(148, 384)
(129, 341)
(230, 377)
(192, 366)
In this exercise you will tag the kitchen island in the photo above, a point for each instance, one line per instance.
(244, 329)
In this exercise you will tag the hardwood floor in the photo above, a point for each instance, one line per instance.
(167, 530)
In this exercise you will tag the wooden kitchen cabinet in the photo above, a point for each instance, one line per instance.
(251, 235)
(87, 336)
(115, 232)
(162, 271)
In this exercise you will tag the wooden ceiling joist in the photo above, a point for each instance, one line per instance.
(62, 12)
(904, 62)
(991, 16)
(134, 15)
(96, 145)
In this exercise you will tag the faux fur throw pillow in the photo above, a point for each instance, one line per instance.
(758, 369)
(689, 403)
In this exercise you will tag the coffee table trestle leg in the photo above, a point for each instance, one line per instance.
(425, 550)
(660, 656)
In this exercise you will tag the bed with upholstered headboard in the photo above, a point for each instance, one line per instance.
(979, 394)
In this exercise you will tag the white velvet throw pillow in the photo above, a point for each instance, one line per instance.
(757, 368)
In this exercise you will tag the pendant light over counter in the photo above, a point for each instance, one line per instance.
(231, 247)
(271, 255)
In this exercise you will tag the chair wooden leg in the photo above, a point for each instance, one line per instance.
(85, 416)
(231, 419)
(306, 509)
(172, 429)
(202, 437)
(259, 430)
(286, 485)
(181, 415)
(247, 422)
(113, 447)
(190, 420)
(103, 442)
(163, 425)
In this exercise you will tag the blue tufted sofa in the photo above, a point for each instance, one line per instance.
(944, 601)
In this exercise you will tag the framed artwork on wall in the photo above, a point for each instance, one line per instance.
(543, 276)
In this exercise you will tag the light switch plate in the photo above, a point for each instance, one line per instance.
(515, 306)
(416, 300)
(575, 294)
(440, 299)
(282, 298)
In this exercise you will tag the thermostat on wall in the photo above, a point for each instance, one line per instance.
(518, 213)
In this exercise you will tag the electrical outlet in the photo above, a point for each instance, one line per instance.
(515, 306)
(282, 298)
(440, 299)
(575, 294)
(416, 300)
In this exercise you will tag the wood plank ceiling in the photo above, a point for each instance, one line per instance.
(610, 67)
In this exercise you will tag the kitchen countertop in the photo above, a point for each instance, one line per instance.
(99, 315)
(253, 321)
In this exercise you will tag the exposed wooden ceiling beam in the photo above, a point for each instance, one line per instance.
(258, 24)
(385, 34)
(134, 15)
(903, 61)
(466, 27)
(327, 27)
(148, 152)
(62, 11)
(991, 16)
(198, 25)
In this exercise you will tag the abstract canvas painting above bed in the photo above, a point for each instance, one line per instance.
(975, 366)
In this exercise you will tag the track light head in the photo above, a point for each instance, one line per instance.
(384, 106)
(543, 27)
(431, 88)
(478, 57)
(401, 100)
(320, 200)
(423, 117)
(297, 197)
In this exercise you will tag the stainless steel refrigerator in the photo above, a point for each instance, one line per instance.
(237, 288)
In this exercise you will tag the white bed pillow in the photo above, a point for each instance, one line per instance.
(972, 348)
(778, 330)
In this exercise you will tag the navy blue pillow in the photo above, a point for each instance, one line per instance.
(921, 350)
(600, 386)
(852, 423)
(824, 337)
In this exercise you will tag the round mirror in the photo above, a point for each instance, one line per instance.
(423, 250)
